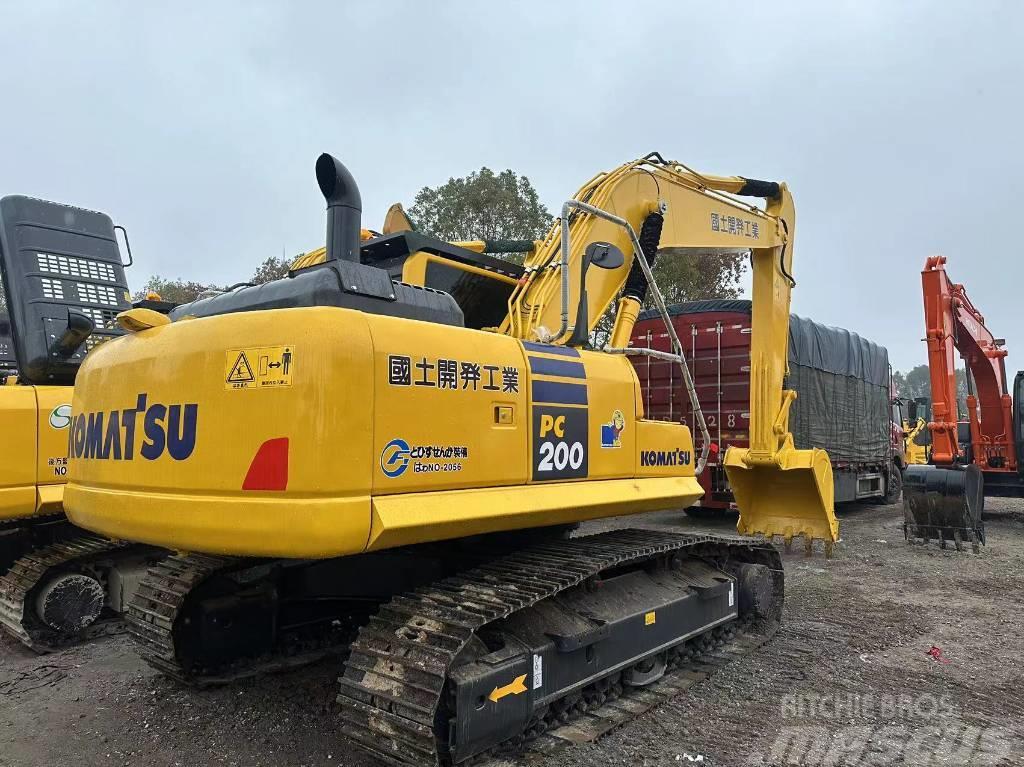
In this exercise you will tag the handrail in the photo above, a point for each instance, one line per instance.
(659, 301)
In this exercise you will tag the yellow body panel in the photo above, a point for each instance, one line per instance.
(33, 421)
(913, 452)
(397, 432)
(402, 519)
(20, 414)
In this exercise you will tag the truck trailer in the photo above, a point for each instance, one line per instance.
(844, 395)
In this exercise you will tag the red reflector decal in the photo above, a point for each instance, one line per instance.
(269, 467)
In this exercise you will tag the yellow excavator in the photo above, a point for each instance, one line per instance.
(64, 282)
(916, 435)
(387, 452)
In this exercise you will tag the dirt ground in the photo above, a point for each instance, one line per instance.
(847, 680)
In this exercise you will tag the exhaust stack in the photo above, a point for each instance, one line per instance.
(344, 209)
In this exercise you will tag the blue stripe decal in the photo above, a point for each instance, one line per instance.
(565, 368)
(562, 351)
(556, 393)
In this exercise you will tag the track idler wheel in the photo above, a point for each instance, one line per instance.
(944, 504)
(70, 602)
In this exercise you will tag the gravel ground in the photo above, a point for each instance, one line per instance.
(847, 681)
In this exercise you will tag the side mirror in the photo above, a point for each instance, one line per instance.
(603, 255)
(79, 328)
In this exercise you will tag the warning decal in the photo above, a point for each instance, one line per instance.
(259, 367)
(241, 371)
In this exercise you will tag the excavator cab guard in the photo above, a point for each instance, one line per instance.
(66, 284)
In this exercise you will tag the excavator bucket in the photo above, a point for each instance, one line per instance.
(790, 494)
(944, 504)
(397, 220)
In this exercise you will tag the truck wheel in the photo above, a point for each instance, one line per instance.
(894, 485)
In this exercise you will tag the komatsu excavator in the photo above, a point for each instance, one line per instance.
(916, 435)
(385, 450)
(945, 501)
(58, 584)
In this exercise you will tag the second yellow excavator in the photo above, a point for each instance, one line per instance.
(916, 435)
(385, 451)
(64, 283)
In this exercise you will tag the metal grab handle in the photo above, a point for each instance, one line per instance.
(659, 301)
(127, 245)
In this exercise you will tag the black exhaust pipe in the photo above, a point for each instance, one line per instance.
(344, 208)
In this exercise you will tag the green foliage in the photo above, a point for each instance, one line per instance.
(684, 276)
(481, 206)
(270, 270)
(915, 383)
(177, 291)
(181, 291)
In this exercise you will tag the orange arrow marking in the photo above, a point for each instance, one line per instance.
(517, 686)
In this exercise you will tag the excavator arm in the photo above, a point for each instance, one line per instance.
(619, 222)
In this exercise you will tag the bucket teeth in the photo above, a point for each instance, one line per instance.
(944, 504)
(787, 544)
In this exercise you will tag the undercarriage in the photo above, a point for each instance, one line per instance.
(472, 647)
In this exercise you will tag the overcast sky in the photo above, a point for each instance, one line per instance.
(897, 124)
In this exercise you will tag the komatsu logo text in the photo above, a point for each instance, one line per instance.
(156, 428)
(664, 457)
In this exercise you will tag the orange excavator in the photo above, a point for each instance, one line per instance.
(945, 500)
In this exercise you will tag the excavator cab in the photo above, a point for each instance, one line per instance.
(480, 283)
